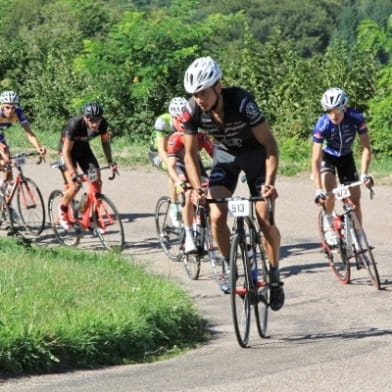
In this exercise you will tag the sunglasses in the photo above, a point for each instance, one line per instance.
(94, 120)
(9, 107)
(335, 110)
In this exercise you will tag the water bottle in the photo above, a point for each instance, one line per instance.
(253, 263)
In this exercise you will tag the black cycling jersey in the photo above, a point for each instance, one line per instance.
(241, 114)
(76, 130)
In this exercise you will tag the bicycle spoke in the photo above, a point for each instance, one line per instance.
(337, 255)
(170, 237)
(31, 207)
(108, 224)
(69, 237)
(240, 295)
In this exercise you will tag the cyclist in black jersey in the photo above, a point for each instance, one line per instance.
(75, 150)
(243, 141)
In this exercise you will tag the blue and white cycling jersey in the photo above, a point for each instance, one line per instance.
(339, 138)
(5, 123)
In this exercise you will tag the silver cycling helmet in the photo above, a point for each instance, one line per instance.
(9, 97)
(204, 72)
(334, 98)
(93, 110)
(176, 106)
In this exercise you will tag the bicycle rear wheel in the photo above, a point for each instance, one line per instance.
(240, 294)
(69, 237)
(31, 207)
(337, 255)
(108, 224)
(170, 237)
(364, 254)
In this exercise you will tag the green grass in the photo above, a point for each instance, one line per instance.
(62, 309)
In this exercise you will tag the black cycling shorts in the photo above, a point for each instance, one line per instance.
(85, 159)
(227, 166)
(344, 166)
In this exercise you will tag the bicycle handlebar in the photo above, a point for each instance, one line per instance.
(352, 185)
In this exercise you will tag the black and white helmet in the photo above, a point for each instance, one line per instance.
(93, 110)
(9, 97)
(176, 106)
(334, 98)
(204, 72)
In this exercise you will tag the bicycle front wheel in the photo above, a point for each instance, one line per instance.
(261, 309)
(364, 254)
(337, 255)
(170, 236)
(69, 237)
(108, 224)
(240, 293)
(31, 207)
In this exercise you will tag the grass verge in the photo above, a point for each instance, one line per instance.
(63, 309)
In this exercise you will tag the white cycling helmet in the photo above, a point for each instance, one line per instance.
(176, 106)
(9, 97)
(334, 98)
(204, 72)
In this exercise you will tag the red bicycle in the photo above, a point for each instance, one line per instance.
(93, 212)
(27, 214)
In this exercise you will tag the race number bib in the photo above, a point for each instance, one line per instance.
(341, 192)
(239, 207)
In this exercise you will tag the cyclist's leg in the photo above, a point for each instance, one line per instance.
(255, 176)
(348, 174)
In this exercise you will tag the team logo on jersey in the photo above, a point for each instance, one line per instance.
(252, 110)
(216, 175)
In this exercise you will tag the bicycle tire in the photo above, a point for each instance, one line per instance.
(108, 224)
(263, 298)
(192, 265)
(337, 255)
(364, 255)
(240, 294)
(31, 207)
(69, 237)
(170, 237)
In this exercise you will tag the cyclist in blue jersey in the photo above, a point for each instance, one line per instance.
(11, 113)
(333, 138)
(243, 142)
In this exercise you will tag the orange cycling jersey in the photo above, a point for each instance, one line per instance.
(176, 148)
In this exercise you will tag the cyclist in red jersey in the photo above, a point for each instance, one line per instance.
(177, 172)
(243, 141)
(11, 113)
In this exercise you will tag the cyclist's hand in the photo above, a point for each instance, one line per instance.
(75, 178)
(113, 167)
(42, 151)
(367, 180)
(269, 191)
(180, 187)
(319, 196)
(198, 196)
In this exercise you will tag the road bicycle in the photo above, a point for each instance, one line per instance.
(205, 247)
(170, 236)
(93, 212)
(28, 216)
(351, 239)
(249, 271)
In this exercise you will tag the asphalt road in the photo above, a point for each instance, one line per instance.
(327, 337)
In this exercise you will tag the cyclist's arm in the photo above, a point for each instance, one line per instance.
(263, 134)
(171, 168)
(366, 152)
(106, 146)
(316, 162)
(191, 160)
(33, 138)
(161, 140)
